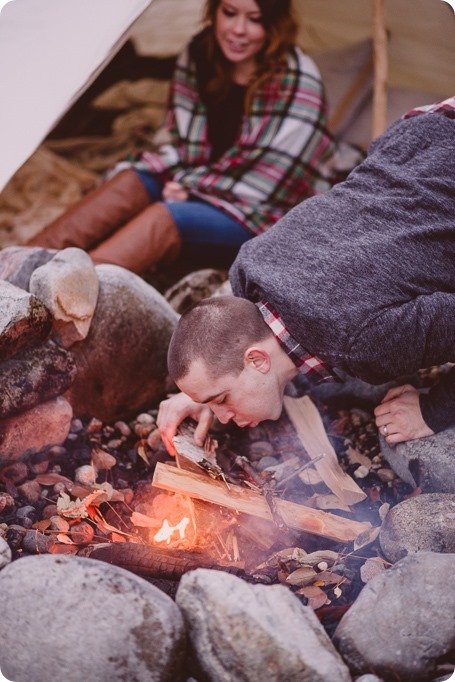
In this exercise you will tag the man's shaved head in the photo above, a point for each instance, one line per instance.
(218, 331)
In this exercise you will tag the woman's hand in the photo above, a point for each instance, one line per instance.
(177, 408)
(173, 191)
(400, 415)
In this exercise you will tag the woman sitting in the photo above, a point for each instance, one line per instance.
(247, 124)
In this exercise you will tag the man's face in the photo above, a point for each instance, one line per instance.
(247, 398)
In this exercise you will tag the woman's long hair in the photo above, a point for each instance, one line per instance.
(281, 32)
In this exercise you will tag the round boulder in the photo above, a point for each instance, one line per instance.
(77, 619)
(424, 522)
(121, 365)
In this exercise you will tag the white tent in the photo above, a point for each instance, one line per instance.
(51, 50)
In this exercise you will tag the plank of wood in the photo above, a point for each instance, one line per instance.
(307, 421)
(250, 502)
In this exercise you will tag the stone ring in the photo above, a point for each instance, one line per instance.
(385, 430)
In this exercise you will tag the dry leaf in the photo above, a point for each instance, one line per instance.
(64, 549)
(383, 510)
(116, 537)
(356, 457)
(78, 508)
(64, 539)
(42, 525)
(52, 479)
(302, 576)
(321, 555)
(329, 578)
(330, 501)
(316, 597)
(143, 455)
(102, 459)
(366, 538)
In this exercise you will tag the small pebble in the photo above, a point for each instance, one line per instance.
(5, 553)
(49, 511)
(59, 523)
(94, 426)
(85, 474)
(259, 449)
(38, 543)
(76, 426)
(361, 471)
(265, 462)
(39, 462)
(30, 491)
(26, 512)
(154, 439)
(59, 487)
(6, 502)
(123, 428)
(82, 533)
(115, 444)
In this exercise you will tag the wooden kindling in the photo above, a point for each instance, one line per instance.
(307, 421)
(246, 501)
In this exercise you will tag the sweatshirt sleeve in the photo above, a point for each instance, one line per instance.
(438, 405)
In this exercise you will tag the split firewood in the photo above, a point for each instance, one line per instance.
(307, 421)
(251, 502)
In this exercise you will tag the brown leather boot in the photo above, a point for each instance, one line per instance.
(94, 217)
(150, 238)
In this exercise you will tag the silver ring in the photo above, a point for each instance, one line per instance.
(385, 430)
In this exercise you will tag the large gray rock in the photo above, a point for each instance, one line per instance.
(121, 365)
(80, 620)
(18, 262)
(45, 424)
(403, 621)
(425, 522)
(68, 286)
(24, 320)
(254, 632)
(35, 375)
(425, 462)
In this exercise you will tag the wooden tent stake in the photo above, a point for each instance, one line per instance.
(247, 501)
(307, 421)
(379, 122)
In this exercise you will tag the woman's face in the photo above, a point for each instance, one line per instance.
(240, 35)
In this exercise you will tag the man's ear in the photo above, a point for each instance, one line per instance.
(258, 358)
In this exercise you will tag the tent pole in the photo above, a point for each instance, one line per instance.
(380, 69)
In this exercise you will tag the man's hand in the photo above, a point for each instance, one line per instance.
(177, 408)
(399, 413)
(173, 191)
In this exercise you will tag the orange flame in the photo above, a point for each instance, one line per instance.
(166, 531)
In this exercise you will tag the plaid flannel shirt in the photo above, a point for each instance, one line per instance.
(446, 107)
(308, 364)
(282, 154)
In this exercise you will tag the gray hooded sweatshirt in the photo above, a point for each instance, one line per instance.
(363, 276)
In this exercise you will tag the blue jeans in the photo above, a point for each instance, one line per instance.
(198, 222)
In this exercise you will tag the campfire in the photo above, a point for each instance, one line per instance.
(302, 521)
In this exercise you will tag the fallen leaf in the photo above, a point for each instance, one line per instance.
(64, 539)
(116, 537)
(143, 455)
(42, 525)
(302, 576)
(330, 501)
(383, 510)
(52, 479)
(77, 509)
(366, 538)
(356, 457)
(329, 578)
(316, 597)
(102, 459)
(64, 549)
(321, 555)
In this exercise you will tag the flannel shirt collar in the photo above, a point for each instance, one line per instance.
(446, 107)
(307, 363)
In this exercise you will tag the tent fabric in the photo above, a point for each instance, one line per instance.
(50, 51)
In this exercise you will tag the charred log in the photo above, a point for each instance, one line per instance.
(155, 563)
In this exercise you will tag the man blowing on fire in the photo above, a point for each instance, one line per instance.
(361, 278)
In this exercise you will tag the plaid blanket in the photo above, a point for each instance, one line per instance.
(282, 154)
